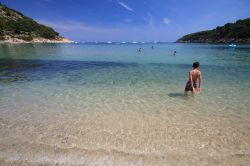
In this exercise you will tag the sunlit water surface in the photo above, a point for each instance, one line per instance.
(108, 104)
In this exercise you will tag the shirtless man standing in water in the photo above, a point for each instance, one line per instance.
(194, 77)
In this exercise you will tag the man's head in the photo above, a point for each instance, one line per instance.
(196, 65)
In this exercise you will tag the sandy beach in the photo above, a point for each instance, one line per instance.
(124, 138)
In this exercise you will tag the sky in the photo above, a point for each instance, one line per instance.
(131, 20)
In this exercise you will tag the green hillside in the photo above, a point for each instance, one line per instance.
(238, 32)
(14, 24)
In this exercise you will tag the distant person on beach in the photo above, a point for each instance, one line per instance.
(194, 78)
(152, 47)
(140, 50)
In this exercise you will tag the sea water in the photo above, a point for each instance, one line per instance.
(108, 104)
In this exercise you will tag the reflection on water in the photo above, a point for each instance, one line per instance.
(103, 105)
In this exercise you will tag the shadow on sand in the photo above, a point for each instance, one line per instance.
(177, 95)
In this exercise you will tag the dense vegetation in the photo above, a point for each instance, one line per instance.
(16, 25)
(238, 32)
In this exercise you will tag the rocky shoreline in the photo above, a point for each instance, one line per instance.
(36, 40)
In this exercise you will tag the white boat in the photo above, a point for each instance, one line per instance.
(232, 45)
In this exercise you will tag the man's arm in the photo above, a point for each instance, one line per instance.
(191, 81)
(200, 81)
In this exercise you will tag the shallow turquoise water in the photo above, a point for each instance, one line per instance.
(130, 102)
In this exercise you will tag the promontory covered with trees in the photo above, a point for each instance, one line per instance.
(15, 27)
(238, 32)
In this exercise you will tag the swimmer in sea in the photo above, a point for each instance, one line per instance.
(174, 53)
(194, 78)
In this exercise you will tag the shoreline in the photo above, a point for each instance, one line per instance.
(35, 40)
(245, 41)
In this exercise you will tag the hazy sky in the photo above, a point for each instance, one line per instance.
(131, 20)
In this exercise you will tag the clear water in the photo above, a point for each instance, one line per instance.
(108, 104)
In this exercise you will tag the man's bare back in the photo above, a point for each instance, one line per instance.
(195, 74)
(193, 79)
